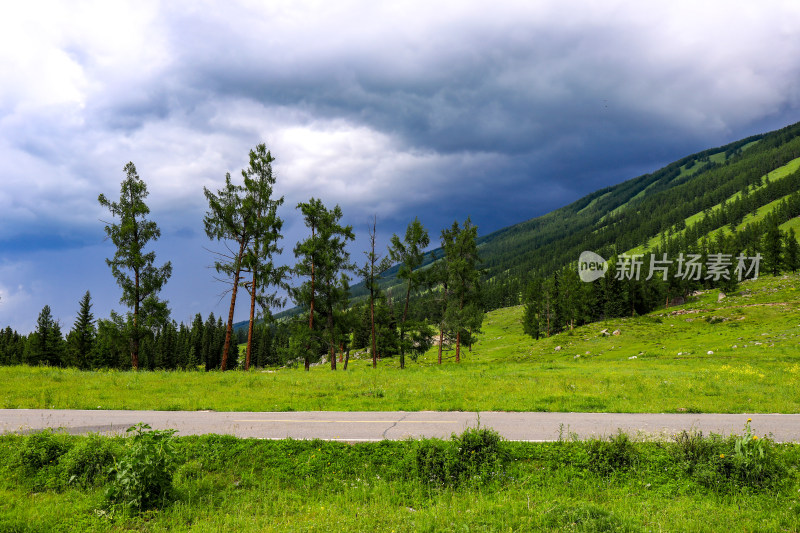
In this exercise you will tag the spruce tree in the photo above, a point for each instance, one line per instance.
(46, 345)
(80, 339)
(772, 245)
(133, 269)
(791, 251)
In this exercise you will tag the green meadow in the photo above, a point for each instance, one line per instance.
(737, 354)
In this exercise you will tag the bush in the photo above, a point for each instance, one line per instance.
(480, 453)
(754, 461)
(691, 449)
(88, 462)
(477, 455)
(42, 449)
(39, 457)
(143, 476)
(436, 462)
(613, 455)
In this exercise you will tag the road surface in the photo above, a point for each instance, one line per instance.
(374, 426)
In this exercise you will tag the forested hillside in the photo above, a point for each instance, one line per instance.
(684, 201)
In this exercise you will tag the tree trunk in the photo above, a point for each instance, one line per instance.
(347, 358)
(372, 322)
(229, 328)
(458, 346)
(441, 341)
(403, 328)
(250, 328)
(135, 340)
(332, 341)
(311, 311)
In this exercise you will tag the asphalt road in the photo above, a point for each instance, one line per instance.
(373, 426)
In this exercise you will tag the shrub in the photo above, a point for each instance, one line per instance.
(745, 461)
(613, 455)
(142, 478)
(480, 453)
(477, 455)
(88, 462)
(42, 449)
(436, 462)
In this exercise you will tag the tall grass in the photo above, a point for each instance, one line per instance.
(222, 483)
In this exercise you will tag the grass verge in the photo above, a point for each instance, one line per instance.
(473, 481)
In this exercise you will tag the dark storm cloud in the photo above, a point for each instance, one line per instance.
(501, 111)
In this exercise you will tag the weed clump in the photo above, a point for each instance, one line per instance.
(88, 463)
(616, 454)
(476, 456)
(142, 477)
(737, 462)
(39, 457)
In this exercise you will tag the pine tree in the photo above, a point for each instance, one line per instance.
(228, 220)
(409, 253)
(530, 314)
(371, 274)
(80, 340)
(791, 251)
(325, 259)
(265, 228)
(772, 246)
(140, 288)
(463, 310)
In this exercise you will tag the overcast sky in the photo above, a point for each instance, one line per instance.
(501, 111)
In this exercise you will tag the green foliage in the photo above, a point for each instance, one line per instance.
(612, 455)
(324, 259)
(436, 462)
(755, 463)
(88, 462)
(265, 226)
(134, 270)
(225, 483)
(142, 477)
(40, 454)
(46, 345)
(476, 456)
(734, 463)
(587, 518)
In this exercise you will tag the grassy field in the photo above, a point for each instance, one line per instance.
(740, 354)
(467, 484)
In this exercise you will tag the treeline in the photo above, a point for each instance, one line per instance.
(244, 217)
(103, 343)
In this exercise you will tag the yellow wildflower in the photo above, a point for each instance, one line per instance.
(749, 420)
(722, 456)
(755, 437)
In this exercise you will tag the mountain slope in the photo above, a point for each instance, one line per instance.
(636, 214)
